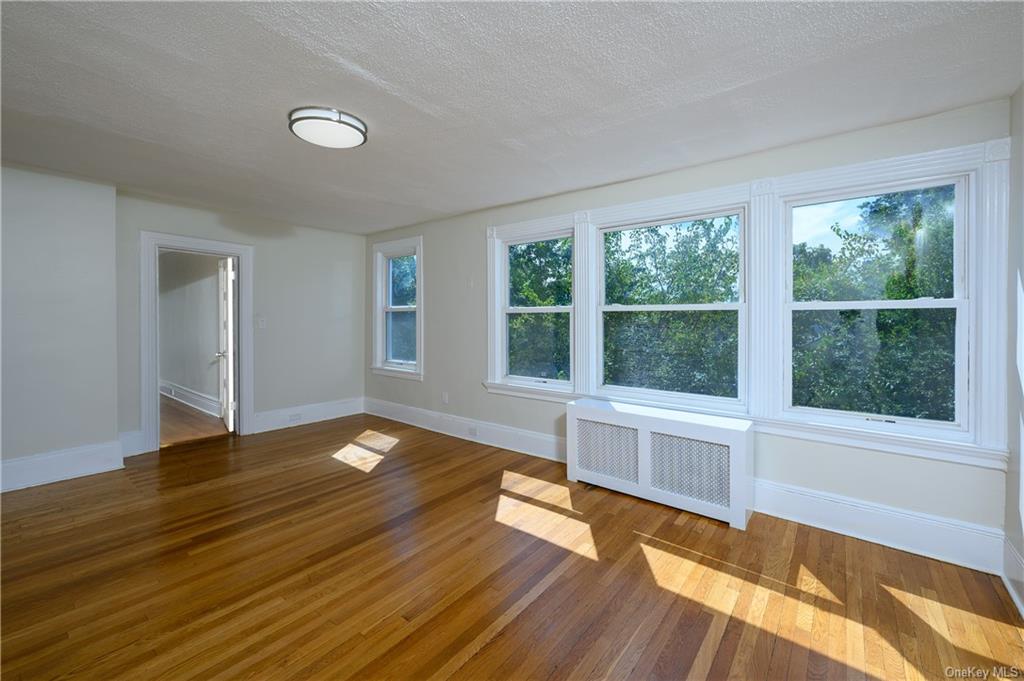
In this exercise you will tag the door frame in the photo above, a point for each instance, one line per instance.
(150, 244)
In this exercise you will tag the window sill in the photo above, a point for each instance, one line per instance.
(408, 374)
(952, 451)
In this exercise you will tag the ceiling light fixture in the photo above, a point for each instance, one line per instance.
(327, 127)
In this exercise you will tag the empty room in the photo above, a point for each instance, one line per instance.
(512, 340)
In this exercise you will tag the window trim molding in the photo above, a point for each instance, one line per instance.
(382, 251)
(981, 440)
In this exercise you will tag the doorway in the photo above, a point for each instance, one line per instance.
(196, 361)
(197, 345)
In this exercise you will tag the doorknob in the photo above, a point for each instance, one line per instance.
(220, 354)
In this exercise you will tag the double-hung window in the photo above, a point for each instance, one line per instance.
(877, 318)
(671, 314)
(398, 314)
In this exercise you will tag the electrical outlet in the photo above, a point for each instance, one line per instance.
(294, 418)
(444, 398)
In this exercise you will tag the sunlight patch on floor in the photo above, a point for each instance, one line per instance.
(358, 457)
(378, 442)
(569, 533)
(540, 490)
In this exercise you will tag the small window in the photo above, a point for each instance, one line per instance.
(672, 306)
(877, 304)
(538, 310)
(398, 322)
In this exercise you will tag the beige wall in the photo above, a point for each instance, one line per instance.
(189, 315)
(59, 314)
(309, 288)
(1014, 533)
(455, 283)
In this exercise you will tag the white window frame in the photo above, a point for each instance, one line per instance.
(383, 252)
(979, 435)
(731, 404)
(959, 302)
(499, 241)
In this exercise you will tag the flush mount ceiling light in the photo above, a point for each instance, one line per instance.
(327, 127)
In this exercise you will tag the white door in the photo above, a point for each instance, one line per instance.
(226, 355)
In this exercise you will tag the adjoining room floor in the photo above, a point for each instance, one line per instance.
(364, 548)
(181, 423)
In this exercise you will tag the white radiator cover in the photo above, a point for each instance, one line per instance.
(690, 461)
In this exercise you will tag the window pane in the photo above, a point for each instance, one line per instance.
(540, 273)
(685, 352)
(402, 278)
(675, 263)
(538, 345)
(888, 362)
(887, 247)
(401, 336)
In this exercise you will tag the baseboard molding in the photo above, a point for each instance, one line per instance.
(205, 403)
(133, 443)
(484, 432)
(1013, 574)
(306, 413)
(63, 464)
(953, 541)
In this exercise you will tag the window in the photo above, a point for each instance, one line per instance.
(538, 311)
(863, 304)
(876, 304)
(398, 318)
(671, 313)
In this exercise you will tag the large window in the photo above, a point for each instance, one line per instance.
(538, 311)
(398, 319)
(864, 304)
(671, 311)
(876, 304)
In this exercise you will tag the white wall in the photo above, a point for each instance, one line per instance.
(189, 315)
(455, 271)
(309, 289)
(59, 314)
(1014, 534)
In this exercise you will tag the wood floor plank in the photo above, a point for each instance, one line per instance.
(421, 556)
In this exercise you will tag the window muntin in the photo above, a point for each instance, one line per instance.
(668, 289)
(538, 310)
(877, 312)
(400, 311)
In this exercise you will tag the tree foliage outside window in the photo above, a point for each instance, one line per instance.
(679, 350)
(400, 311)
(539, 341)
(893, 362)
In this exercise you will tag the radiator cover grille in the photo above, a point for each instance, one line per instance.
(608, 449)
(693, 468)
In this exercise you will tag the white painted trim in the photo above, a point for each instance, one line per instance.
(1013, 573)
(208, 404)
(494, 434)
(288, 417)
(383, 250)
(63, 464)
(954, 541)
(132, 443)
(150, 244)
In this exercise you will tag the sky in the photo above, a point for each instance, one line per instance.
(813, 224)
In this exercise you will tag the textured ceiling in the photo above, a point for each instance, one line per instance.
(468, 105)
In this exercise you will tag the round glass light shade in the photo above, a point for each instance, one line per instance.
(327, 127)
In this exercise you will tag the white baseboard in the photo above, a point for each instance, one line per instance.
(1013, 574)
(208, 404)
(306, 413)
(484, 432)
(63, 464)
(953, 541)
(132, 443)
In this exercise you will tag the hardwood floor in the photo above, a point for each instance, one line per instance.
(367, 549)
(181, 423)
